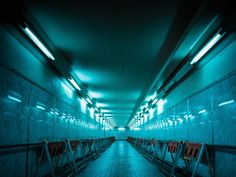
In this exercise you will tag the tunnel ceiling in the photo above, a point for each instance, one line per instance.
(116, 48)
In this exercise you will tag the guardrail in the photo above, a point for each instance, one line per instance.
(62, 158)
(168, 154)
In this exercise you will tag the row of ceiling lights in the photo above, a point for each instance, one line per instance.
(154, 99)
(49, 55)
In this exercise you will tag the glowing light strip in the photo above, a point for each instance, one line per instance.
(88, 100)
(207, 47)
(38, 43)
(226, 102)
(40, 107)
(72, 81)
(121, 129)
(14, 99)
(202, 111)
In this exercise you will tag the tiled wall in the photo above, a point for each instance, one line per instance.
(203, 120)
(198, 118)
(22, 122)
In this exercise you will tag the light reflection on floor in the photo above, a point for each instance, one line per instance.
(121, 160)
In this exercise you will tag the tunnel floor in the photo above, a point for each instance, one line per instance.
(121, 160)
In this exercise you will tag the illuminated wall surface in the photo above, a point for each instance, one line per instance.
(26, 117)
(207, 116)
(30, 114)
(37, 104)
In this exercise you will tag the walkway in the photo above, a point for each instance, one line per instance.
(121, 160)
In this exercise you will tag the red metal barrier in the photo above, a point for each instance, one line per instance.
(56, 148)
(74, 144)
(172, 147)
(192, 150)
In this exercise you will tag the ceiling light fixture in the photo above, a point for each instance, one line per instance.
(14, 98)
(121, 129)
(40, 45)
(72, 81)
(202, 111)
(206, 48)
(40, 107)
(88, 100)
(226, 102)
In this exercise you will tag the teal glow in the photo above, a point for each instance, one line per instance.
(151, 97)
(51, 112)
(40, 107)
(96, 95)
(170, 122)
(136, 129)
(84, 77)
(83, 105)
(121, 129)
(180, 120)
(38, 43)
(88, 100)
(96, 109)
(226, 102)
(67, 90)
(202, 111)
(145, 118)
(207, 47)
(154, 101)
(151, 111)
(160, 106)
(97, 117)
(14, 98)
(100, 120)
(72, 81)
(92, 113)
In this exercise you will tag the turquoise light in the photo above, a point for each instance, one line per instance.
(88, 100)
(38, 43)
(97, 117)
(136, 129)
(202, 111)
(151, 111)
(160, 106)
(40, 107)
(226, 102)
(72, 81)
(92, 113)
(67, 90)
(121, 129)
(14, 98)
(83, 105)
(207, 47)
(51, 112)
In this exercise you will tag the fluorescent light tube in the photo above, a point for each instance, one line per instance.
(136, 129)
(207, 47)
(202, 111)
(38, 43)
(121, 128)
(226, 102)
(40, 107)
(51, 112)
(14, 98)
(155, 101)
(83, 100)
(88, 100)
(72, 81)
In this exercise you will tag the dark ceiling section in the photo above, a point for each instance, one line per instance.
(116, 48)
